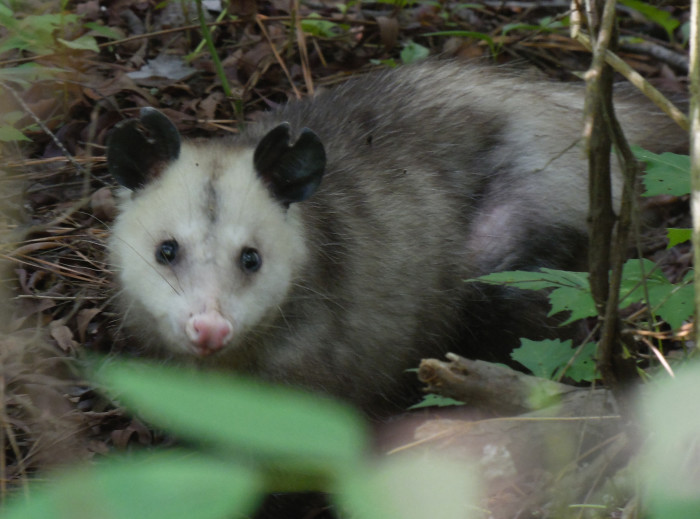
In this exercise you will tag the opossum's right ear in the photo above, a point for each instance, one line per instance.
(139, 149)
(291, 172)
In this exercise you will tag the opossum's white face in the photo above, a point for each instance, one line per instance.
(203, 248)
(205, 239)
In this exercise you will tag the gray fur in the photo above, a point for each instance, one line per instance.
(436, 173)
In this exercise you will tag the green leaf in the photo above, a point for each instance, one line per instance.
(164, 486)
(7, 18)
(583, 368)
(577, 300)
(673, 303)
(547, 24)
(666, 174)
(410, 487)
(103, 30)
(390, 62)
(543, 358)
(10, 134)
(321, 28)
(28, 73)
(82, 43)
(571, 291)
(12, 117)
(638, 273)
(676, 236)
(238, 414)
(654, 14)
(413, 52)
(536, 280)
(548, 358)
(678, 307)
(432, 400)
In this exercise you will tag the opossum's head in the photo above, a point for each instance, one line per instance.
(209, 236)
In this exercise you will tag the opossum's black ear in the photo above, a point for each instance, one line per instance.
(139, 149)
(292, 173)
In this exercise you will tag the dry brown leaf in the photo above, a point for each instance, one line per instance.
(135, 431)
(207, 108)
(63, 336)
(27, 307)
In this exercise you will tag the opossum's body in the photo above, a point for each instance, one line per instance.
(434, 174)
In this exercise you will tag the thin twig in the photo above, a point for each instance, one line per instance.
(220, 72)
(303, 52)
(43, 127)
(642, 84)
(259, 20)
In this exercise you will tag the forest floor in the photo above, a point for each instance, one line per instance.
(67, 81)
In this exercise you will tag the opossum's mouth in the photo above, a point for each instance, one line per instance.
(203, 351)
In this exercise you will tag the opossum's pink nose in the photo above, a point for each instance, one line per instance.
(209, 332)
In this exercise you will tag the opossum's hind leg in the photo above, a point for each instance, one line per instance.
(495, 317)
(554, 246)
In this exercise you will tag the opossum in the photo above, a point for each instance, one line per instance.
(328, 245)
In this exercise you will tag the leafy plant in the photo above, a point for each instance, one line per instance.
(413, 52)
(41, 34)
(253, 439)
(676, 236)
(666, 174)
(433, 400)
(8, 132)
(654, 14)
(643, 282)
(570, 291)
(546, 24)
(315, 26)
(176, 484)
(552, 359)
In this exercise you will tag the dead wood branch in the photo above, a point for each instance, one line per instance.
(565, 444)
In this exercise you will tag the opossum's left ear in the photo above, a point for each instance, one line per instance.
(292, 173)
(139, 149)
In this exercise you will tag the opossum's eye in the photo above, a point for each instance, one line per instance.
(250, 260)
(166, 253)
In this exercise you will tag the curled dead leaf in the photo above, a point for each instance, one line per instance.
(62, 335)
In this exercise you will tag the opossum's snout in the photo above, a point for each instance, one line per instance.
(208, 332)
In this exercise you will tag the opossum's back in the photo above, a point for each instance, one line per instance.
(426, 109)
(444, 115)
(480, 151)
